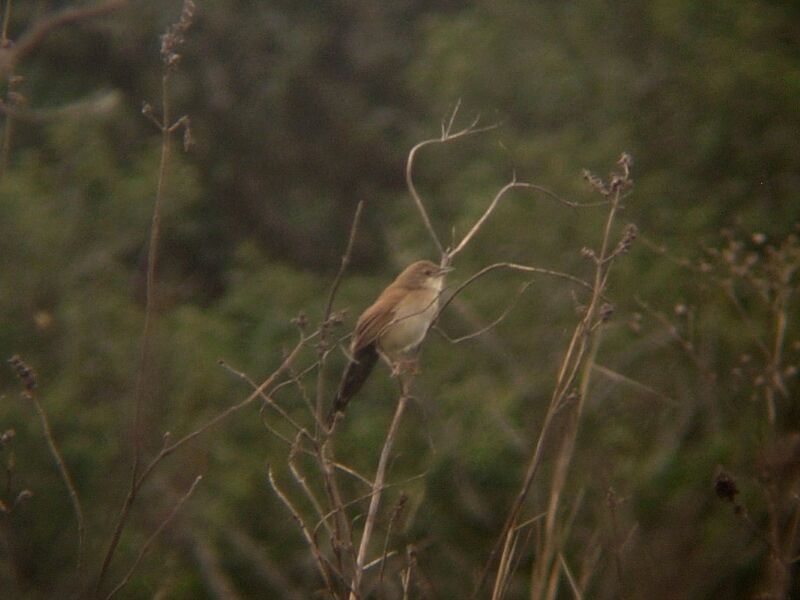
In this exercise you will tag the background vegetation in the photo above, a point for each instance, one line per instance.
(299, 110)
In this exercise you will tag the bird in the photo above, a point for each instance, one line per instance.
(393, 327)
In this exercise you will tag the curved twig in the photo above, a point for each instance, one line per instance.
(491, 325)
(512, 185)
(515, 267)
(446, 136)
(152, 538)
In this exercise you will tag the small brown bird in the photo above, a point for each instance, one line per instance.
(393, 327)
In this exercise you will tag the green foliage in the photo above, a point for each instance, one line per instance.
(301, 110)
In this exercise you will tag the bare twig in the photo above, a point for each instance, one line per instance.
(572, 583)
(65, 475)
(168, 449)
(380, 476)
(323, 565)
(152, 538)
(573, 362)
(513, 267)
(446, 136)
(491, 325)
(637, 385)
(319, 416)
(513, 185)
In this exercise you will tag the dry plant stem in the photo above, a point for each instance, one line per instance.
(303, 483)
(341, 536)
(491, 325)
(513, 185)
(146, 342)
(322, 564)
(152, 259)
(545, 560)
(65, 475)
(446, 136)
(576, 591)
(343, 532)
(571, 363)
(168, 449)
(327, 314)
(513, 267)
(152, 538)
(377, 488)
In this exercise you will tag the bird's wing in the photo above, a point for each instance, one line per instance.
(374, 321)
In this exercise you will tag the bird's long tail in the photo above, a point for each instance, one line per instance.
(353, 378)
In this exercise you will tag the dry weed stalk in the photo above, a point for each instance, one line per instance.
(29, 381)
(570, 390)
(758, 279)
(171, 41)
(341, 567)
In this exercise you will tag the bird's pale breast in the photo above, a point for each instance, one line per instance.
(412, 318)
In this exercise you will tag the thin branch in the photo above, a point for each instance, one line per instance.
(345, 261)
(168, 449)
(303, 483)
(65, 474)
(374, 503)
(572, 361)
(514, 267)
(396, 515)
(153, 537)
(146, 339)
(445, 137)
(319, 416)
(322, 564)
(572, 583)
(370, 494)
(491, 325)
(620, 378)
(513, 185)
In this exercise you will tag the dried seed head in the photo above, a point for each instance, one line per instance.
(175, 36)
(337, 317)
(26, 375)
(628, 237)
(725, 487)
(301, 320)
(626, 162)
(595, 182)
(759, 238)
(588, 253)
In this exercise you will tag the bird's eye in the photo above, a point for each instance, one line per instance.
(428, 272)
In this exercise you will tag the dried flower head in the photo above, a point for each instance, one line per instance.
(26, 375)
(175, 36)
(628, 237)
(596, 183)
(725, 487)
(301, 320)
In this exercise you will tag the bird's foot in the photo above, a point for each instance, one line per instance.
(405, 366)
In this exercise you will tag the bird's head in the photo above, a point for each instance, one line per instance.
(423, 274)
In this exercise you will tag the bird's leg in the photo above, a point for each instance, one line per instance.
(409, 362)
